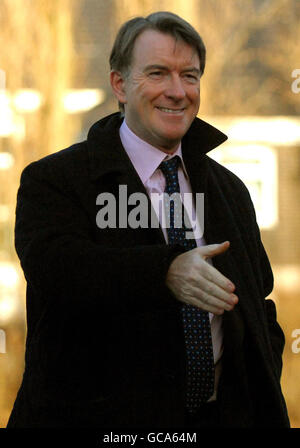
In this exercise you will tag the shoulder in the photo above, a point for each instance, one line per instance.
(57, 167)
(76, 160)
(230, 192)
(64, 157)
(224, 178)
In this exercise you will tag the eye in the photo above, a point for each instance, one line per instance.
(156, 74)
(191, 77)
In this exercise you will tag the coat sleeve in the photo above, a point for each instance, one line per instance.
(265, 279)
(277, 337)
(62, 263)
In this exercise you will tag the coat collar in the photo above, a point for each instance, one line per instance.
(107, 155)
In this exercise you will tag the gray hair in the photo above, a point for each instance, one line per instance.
(164, 22)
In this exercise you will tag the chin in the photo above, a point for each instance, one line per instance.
(169, 143)
(174, 136)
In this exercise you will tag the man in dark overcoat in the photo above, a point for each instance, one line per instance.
(131, 324)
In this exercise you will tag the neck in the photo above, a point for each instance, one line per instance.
(169, 147)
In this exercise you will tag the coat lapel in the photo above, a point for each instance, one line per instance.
(111, 166)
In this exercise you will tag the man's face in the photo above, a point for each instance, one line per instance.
(162, 91)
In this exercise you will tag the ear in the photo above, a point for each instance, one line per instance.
(117, 83)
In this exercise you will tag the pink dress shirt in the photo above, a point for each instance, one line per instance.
(146, 159)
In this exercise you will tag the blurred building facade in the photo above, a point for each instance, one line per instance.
(63, 88)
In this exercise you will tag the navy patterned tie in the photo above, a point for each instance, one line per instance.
(200, 362)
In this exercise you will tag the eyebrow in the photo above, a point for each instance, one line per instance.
(163, 67)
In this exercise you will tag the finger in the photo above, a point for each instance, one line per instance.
(201, 299)
(211, 250)
(215, 291)
(209, 306)
(214, 277)
(215, 299)
(202, 283)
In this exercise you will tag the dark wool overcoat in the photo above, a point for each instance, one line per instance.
(105, 345)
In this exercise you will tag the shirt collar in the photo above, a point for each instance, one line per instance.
(144, 157)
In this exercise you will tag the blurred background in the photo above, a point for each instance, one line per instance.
(54, 85)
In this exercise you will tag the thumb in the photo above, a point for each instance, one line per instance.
(211, 250)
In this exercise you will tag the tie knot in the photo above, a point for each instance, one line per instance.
(170, 166)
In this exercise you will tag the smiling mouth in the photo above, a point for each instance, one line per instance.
(171, 111)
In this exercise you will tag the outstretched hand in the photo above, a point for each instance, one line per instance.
(194, 281)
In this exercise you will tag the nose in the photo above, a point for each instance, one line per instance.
(175, 89)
